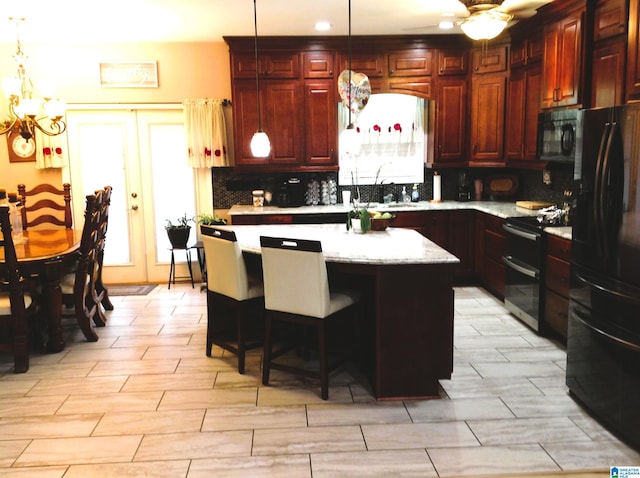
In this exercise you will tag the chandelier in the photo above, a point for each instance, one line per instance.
(25, 110)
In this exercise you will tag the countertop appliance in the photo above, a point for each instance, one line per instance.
(525, 266)
(603, 343)
(291, 193)
(557, 135)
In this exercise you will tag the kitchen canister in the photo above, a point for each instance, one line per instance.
(258, 197)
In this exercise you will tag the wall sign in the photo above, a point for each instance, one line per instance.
(129, 74)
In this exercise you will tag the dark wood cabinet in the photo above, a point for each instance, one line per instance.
(487, 118)
(318, 65)
(558, 271)
(610, 19)
(490, 60)
(281, 120)
(562, 61)
(451, 121)
(282, 65)
(490, 247)
(453, 62)
(633, 53)
(320, 123)
(526, 50)
(608, 75)
(523, 106)
(371, 63)
(411, 62)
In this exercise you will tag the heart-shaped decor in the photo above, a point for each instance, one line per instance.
(360, 90)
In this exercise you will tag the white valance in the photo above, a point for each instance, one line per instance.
(206, 133)
(51, 151)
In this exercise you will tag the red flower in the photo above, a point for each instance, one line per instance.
(207, 152)
(46, 150)
(58, 150)
(217, 153)
(397, 127)
(376, 128)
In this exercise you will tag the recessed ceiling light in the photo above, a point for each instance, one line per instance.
(446, 25)
(323, 26)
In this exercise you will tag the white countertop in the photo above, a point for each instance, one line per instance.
(395, 246)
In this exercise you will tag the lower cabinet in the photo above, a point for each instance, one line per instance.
(558, 271)
(490, 246)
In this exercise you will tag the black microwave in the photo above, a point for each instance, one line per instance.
(557, 135)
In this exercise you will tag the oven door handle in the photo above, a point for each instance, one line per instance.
(530, 236)
(511, 262)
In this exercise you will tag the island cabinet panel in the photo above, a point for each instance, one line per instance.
(558, 272)
(562, 62)
(633, 53)
(490, 248)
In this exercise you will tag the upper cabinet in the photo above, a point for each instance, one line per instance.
(610, 19)
(450, 122)
(281, 65)
(453, 62)
(562, 62)
(633, 53)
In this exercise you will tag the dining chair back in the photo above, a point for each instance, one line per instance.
(13, 301)
(102, 293)
(46, 204)
(297, 291)
(235, 297)
(78, 286)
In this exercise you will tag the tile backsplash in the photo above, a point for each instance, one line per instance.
(231, 188)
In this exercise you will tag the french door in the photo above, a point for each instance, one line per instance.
(140, 153)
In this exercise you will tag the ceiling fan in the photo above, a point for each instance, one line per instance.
(486, 19)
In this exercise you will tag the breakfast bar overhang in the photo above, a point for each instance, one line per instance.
(407, 285)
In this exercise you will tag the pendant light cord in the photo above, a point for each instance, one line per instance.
(350, 52)
(255, 29)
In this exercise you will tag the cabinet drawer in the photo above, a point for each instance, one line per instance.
(559, 247)
(557, 275)
(556, 313)
(494, 245)
(494, 223)
(494, 277)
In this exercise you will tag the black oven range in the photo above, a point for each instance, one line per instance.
(525, 267)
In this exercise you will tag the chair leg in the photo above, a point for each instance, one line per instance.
(324, 360)
(209, 325)
(172, 270)
(266, 357)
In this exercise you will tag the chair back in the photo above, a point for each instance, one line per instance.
(12, 281)
(295, 276)
(105, 201)
(226, 268)
(44, 204)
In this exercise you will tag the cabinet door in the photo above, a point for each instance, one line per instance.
(562, 62)
(321, 123)
(607, 81)
(461, 241)
(272, 65)
(633, 53)
(318, 64)
(413, 62)
(523, 102)
(245, 122)
(373, 65)
(487, 117)
(283, 122)
(452, 62)
(610, 19)
(451, 114)
(490, 60)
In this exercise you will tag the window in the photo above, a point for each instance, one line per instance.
(392, 129)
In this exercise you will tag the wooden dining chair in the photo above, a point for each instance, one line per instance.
(234, 296)
(78, 286)
(15, 304)
(296, 291)
(46, 204)
(102, 293)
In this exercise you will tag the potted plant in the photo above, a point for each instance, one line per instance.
(206, 220)
(179, 231)
(359, 220)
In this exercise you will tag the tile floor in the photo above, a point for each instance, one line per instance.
(145, 401)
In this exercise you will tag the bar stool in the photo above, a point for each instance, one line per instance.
(172, 270)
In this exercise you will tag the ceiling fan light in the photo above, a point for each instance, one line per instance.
(483, 26)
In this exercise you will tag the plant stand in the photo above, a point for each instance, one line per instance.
(172, 270)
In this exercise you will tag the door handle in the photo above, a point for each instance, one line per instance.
(134, 195)
(134, 207)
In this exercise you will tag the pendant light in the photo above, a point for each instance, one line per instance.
(349, 141)
(260, 144)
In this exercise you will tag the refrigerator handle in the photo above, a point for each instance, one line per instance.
(611, 337)
(597, 192)
(619, 295)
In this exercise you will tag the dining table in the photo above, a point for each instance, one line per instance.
(44, 255)
(406, 282)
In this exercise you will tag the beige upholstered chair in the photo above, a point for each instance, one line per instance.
(14, 303)
(235, 298)
(297, 291)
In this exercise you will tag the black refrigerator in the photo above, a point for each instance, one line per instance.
(603, 342)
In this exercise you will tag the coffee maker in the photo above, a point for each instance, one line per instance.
(290, 193)
(465, 186)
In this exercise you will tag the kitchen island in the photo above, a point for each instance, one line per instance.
(406, 283)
